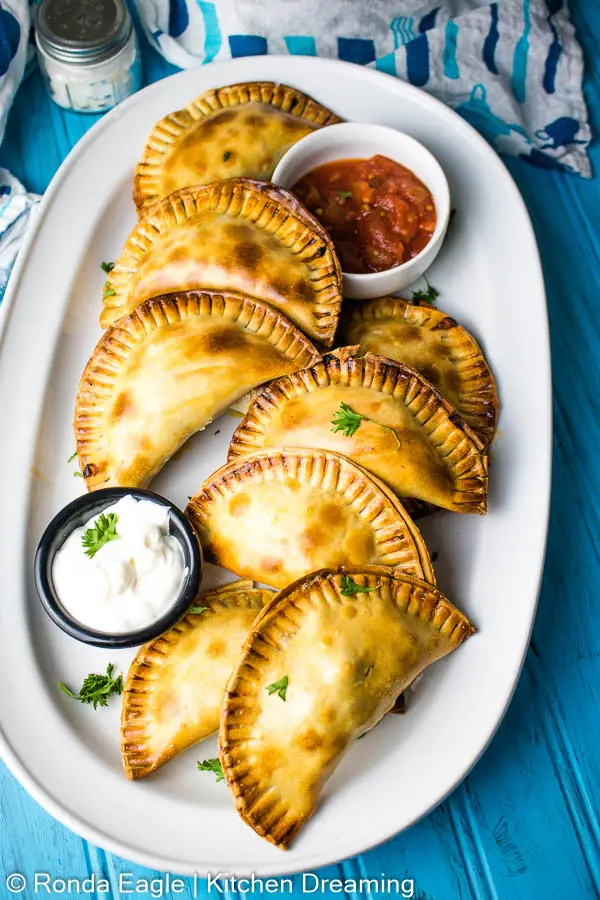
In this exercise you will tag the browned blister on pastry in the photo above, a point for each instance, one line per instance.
(173, 692)
(433, 343)
(236, 235)
(164, 372)
(276, 515)
(342, 656)
(241, 130)
(400, 428)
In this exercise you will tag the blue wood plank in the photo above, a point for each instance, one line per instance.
(524, 825)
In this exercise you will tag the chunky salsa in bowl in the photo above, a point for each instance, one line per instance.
(382, 196)
(378, 213)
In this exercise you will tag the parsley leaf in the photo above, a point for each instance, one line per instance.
(350, 587)
(96, 689)
(345, 195)
(108, 291)
(346, 420)
(107, 266)
(198, 609)
(72, 457)
(227, 155)
(103, 531)
(212, 765)
(77, 475)
(280, 687)
(426, 296)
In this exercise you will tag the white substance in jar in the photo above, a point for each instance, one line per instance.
(88, 53)
(131, 581)
(93, 88)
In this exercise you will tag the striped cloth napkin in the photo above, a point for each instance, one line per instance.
(16, 204)
(512, 68)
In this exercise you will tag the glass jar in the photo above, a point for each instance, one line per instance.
(88, 53)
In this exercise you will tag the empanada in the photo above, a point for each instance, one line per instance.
(343, 657)
(173, 692)
(164, 372)
(239, 130)
(275, 515)
(237, 235)
(434, 344)
(382, 415)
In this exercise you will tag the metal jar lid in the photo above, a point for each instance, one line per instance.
(82, 32)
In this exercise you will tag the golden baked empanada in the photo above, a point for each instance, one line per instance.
(164, 372)
(275, 515)
(434, 344)
(237, 235)
(239, 130)
(382, 415)
(323, 665)
(173, 692)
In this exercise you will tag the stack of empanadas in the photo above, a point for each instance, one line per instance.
(290, 682)
(224, 283)
(226, 286)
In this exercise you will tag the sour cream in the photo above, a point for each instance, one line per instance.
(131, 581)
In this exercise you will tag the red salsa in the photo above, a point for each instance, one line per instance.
(378, 213)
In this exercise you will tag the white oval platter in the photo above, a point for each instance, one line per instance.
(65, 754)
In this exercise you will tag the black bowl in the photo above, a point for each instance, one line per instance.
(76, 514)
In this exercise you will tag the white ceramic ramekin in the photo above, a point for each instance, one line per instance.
(359, 140)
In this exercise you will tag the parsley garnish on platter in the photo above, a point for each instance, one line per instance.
(350, 587)
(198, 609)
(77, 475)
(345, 195)
(108, 291)
(227, 155)
(426, 296)
(103, 531)
(212, 765)
(107, 266)
(280, 687)
(72, 457)
(96, 689)
(346, 420)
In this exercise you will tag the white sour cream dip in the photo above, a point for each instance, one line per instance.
(130, 581)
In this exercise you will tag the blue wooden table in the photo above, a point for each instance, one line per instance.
(525, 824)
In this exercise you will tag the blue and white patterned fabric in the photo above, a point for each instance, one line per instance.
(16, 208)
(512, 68)
(16, 205)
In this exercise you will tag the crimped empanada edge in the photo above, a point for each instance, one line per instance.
(137, 760)
(244, 470)
(446, 618)
(470, 484)
(113, 348)
(485, 399)
(169, 130)
(311, 243)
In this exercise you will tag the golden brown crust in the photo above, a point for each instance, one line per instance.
(178, 360)
(434, 344)
(275, 515)
(347, 658)
(236, 235)
(173, 690)
(412, 439)
(182, 143)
